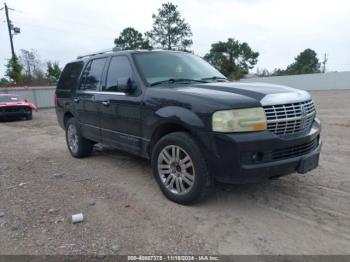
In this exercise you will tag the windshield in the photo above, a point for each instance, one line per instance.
(9, 99)
(161, 66)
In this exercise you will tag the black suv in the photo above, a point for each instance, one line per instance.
(191, 122)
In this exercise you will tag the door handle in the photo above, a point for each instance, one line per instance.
(76, 100)
(106, 103)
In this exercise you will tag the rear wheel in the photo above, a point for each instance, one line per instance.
(78, 146)
(180, 169)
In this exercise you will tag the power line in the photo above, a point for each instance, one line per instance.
(2, 18)
(65, 30)
(69, 21)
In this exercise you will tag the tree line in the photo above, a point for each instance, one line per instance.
(305, 63)
(28, 69)
(169, 31)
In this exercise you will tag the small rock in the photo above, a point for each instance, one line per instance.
(52, 211)
(98, 243)
(58, 175)
(59, 220)
(4, 167)
(100, 255)
(127, 206)
(92, 202)
(14, 227)
(2, 214)
(115, 248)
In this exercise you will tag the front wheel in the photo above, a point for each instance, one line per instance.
(78, 146)
(180, 169)
(30, 115)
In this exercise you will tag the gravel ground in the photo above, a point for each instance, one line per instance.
(41, 186)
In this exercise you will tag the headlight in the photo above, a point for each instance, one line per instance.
(239, 120)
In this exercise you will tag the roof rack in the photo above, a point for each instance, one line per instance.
(114, 49)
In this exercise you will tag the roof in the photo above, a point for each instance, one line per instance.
(113, 51)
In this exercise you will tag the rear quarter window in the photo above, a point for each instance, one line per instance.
(92, 76)
(70, 76)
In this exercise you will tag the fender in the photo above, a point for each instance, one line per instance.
(182, 117)
(32, 106)
(177, 115)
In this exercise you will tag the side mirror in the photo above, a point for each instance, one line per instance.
(126, 85)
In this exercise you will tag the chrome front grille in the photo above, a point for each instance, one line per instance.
(290, 119)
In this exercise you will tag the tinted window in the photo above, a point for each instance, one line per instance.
(92, 75)
(70, 76)
(119, 68)
(159, 66)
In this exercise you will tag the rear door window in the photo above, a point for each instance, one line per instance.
(92, 76)
(70, 76)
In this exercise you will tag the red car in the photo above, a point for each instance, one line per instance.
(11, 106)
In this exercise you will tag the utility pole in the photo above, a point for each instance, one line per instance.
(11, 28)
(325, 59)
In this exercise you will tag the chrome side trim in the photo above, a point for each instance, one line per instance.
(96, 127)
(120, 133)
(113, 93)
(102, 93)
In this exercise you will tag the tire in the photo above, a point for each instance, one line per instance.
(30, 116)
(177, 159)
(78, 146)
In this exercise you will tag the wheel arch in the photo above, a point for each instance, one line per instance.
(165, 129)
(174, 119)
(66, 117)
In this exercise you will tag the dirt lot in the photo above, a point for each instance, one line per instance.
(125, 213)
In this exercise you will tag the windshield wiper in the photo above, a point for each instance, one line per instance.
(215, 78)
(176, 80)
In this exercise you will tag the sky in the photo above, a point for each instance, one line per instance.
(278, 29)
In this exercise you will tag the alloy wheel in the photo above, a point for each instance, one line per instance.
(72, 136)
(176, 169)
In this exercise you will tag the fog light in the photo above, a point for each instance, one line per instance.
(257, 156)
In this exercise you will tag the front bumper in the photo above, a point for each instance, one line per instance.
(254, 157)
(15, 112)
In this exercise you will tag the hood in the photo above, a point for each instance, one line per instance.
(18, 103)
(207, 98)
(266, 94)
